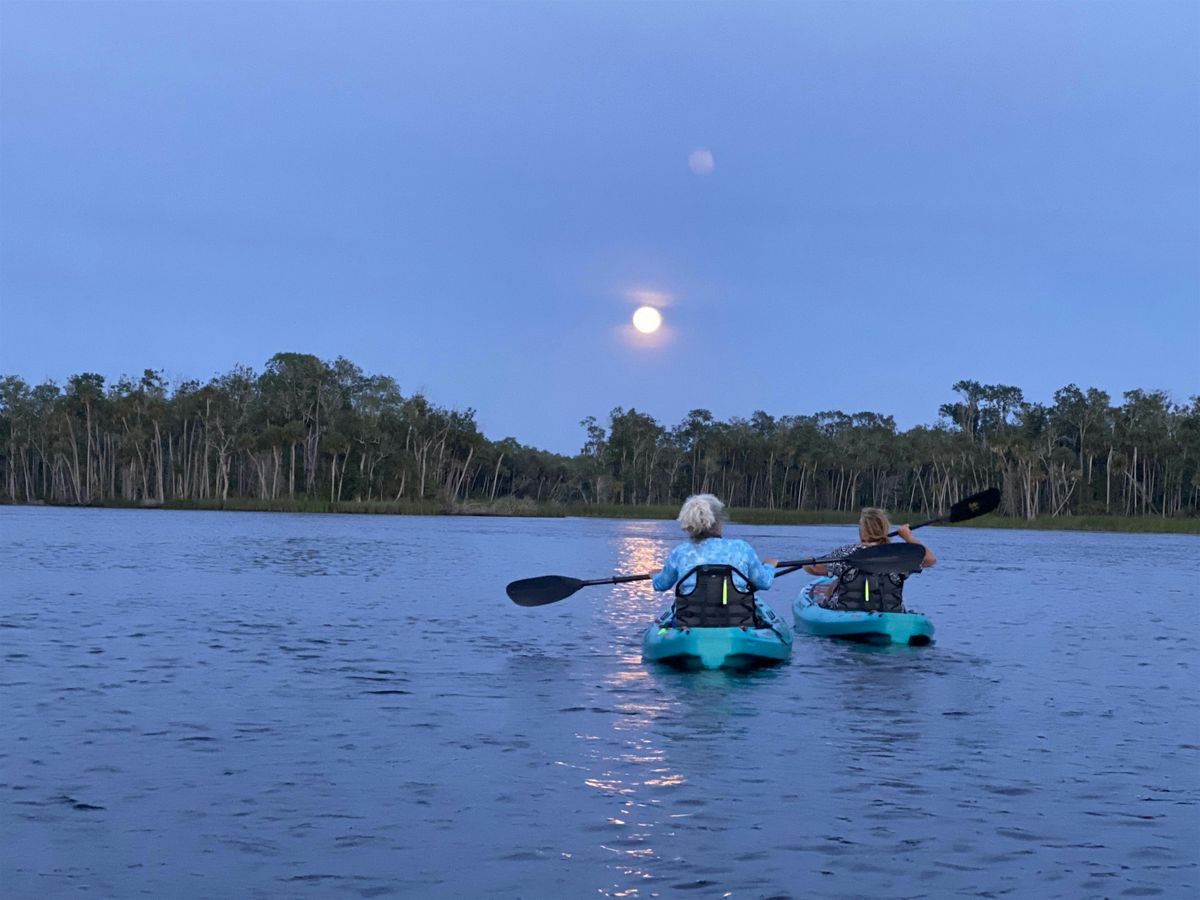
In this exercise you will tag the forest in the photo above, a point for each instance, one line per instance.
(308, 428)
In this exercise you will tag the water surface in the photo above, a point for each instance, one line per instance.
(201, 704)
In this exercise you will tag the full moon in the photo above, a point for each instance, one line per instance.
(647, 319)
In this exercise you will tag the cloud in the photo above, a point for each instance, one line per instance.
(701, 161)
(644, 297)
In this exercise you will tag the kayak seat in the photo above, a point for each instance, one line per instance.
(715, 601)
(868, 592)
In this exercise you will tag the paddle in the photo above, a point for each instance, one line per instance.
(552, 588)
(880, 558)
(877, 559)
(974, 506)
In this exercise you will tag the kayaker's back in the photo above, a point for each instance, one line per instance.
(750, 571)
(714, 600)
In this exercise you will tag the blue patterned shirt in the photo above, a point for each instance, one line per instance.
(714, 550)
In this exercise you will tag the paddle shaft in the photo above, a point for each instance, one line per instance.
(920, 525)
(976, 505)
(547, 589)
(870, 559)
(618, 579)
(787, 566)
(783, 567)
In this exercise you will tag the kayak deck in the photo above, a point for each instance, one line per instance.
(909, 628)
(718, 648)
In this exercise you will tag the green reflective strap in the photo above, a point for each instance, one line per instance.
(725, 592)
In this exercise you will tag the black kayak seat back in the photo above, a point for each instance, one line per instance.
(714, 601)
(870, 592)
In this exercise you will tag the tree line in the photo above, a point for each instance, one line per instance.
(307, 428)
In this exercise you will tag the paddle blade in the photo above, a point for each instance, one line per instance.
(884, 558)
(542, 590)
(978, 505)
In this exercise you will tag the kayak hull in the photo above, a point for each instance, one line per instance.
(718, 648)
(909, 628)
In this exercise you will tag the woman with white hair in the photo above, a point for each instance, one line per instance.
(715, 621)
(702, 516)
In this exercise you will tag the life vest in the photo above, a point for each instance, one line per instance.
(874, 593)
(714, 601)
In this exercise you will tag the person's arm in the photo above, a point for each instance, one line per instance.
(760, 572)
(906, 534)
(665, 580)
(823, 568)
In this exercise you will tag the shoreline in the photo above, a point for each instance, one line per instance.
(738, 516)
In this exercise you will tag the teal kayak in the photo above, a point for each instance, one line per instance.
(716, 648)
(870, 627)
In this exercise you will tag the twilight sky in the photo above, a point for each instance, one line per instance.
(474, 197)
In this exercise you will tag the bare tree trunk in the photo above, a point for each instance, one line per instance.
(75, 456)
(496, 476)
(88, 424)
(463, 477)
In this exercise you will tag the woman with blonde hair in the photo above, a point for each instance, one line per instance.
(847, 588)
(702, 517)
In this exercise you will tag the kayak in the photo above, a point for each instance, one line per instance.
(910, 628)
(716, 648)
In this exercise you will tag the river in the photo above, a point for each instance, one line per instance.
(199, 704)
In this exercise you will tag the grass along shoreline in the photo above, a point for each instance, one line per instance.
(530, 509)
